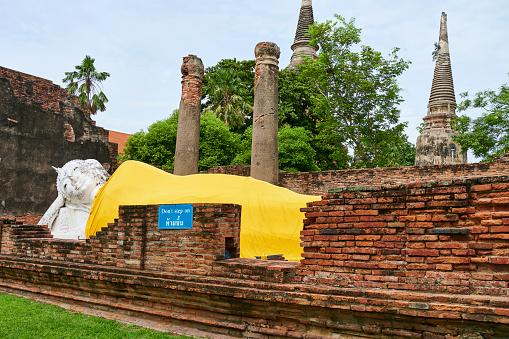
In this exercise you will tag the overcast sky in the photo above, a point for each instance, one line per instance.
(141, 44)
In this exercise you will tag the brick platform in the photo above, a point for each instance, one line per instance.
(132, 270)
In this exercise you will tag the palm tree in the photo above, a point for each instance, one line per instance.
(223, 89)
(85, 83)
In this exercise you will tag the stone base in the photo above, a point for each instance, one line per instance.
(433, 147)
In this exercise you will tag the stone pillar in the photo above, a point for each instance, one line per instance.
(188, 131)
(264, 152)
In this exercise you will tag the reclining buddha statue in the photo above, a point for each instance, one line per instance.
(77, 184)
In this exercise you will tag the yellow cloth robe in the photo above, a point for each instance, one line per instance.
(271, 219)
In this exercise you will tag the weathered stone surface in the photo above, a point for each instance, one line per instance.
(264, 154)
(78, 182)
(41, 125)
(188, 132)
(433, 146)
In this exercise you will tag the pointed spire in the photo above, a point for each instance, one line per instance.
(301, 44)
(442, 89)
(435, 144)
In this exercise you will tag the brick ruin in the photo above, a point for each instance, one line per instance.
(424, 259)
(418, 252)
(264, 150)
(41, 125)
(301, 44)
(188, 130)
(319, 183)
(435, 145)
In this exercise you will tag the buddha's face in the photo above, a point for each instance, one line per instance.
(77, 184)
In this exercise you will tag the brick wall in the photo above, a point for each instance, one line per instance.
(41, 125)
(447, 237)
(318, 183)
(133, 268)
(135, 242)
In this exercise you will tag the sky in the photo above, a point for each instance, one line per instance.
(142, 43)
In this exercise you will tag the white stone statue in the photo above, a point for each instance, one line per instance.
(77, 184)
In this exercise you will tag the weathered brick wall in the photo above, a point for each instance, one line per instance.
(41, 125)
(135, 242)
(448, 237)
(118, 270)
(318, 183)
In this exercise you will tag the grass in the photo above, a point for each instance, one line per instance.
(25, 318)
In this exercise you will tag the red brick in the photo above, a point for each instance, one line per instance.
(422, 237)
(478, 188)
(491, 222)
(501, 201)
(421, 253)
(445, 217)
(499, 260)
(499, 229)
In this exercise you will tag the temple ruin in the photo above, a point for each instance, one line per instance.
(188, 132)
(301, 47)
(264, 153)
(435, 145)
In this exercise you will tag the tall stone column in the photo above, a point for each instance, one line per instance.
(264, 152)
(188, 131)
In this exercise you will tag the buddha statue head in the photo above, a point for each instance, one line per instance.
(79, 180)
(77, 184)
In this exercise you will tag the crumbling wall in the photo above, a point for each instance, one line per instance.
(41, 125)
(134, 241)
(320, 182)
(257, 298)
(447, 237)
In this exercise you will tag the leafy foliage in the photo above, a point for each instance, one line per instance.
(295, 151)
(342, 101)
(218, 145)
(488, 135)
(244, 71)
(224, 89)
(358, 91)
(85, 82)
(434, 54)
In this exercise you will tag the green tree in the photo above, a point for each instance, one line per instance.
(85, 82)
(295, 151)
(488, 135)
(156, 146)
(358, 91)
(297, 109)
(218, 145)
(223, 90)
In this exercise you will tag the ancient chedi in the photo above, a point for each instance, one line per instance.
(188, 131)
(301, 46)
(435, 145)
(264, 151)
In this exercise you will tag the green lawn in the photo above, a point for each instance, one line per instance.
(25, 318)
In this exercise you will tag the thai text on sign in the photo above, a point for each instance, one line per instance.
(176, 217)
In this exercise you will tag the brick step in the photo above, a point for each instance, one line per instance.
(34, 236)
(31, 231)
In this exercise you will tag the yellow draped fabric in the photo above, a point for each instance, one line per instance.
(271, 219)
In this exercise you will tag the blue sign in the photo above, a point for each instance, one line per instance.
(176, 217)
